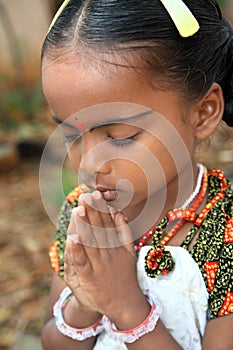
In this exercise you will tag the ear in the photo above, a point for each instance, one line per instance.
(208, 112)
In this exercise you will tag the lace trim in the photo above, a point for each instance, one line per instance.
(74, 333)
(131, 335)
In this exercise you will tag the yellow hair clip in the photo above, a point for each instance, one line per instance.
(58, 13)
(182, 17)
(184, 20)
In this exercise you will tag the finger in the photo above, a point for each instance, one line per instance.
(69, 269)
(107, 218)
(92, 207)
(124, 233)
(81, 261)
(112, 212)
(82, 224)
(71, 232)
(105, 215)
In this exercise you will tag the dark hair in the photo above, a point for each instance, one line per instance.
(143, 29)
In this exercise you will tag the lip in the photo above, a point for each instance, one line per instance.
(108, 194)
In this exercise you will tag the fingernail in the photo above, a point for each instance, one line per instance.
(121, 219)
(72, 237)
(80, 210)
(97, 195)
(112, 210)
(87, 198)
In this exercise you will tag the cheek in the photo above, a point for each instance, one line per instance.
(96, 160)
(171, 154)
(131, 176)
(74, 157)
(164, 166)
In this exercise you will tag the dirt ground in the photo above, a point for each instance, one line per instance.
(26, 233)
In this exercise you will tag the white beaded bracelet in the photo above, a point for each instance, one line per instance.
(65, 329)
(131, 335)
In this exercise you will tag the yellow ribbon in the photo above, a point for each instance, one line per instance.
(184, 20)
(58, 13)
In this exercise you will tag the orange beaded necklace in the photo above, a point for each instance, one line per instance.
(181, 214)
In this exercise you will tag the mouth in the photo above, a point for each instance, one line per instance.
(108, 194)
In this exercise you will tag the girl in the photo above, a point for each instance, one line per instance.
(146, 253)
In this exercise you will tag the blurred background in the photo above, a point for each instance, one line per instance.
(26, 231)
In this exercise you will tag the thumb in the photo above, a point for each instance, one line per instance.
(72, 232)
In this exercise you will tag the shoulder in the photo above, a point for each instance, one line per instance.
(218, 230)
(213, 250)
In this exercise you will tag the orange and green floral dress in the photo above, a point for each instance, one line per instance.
(212, 252)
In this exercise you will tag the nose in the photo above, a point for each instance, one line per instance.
(93, 157)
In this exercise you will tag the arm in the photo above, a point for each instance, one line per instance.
(51, 338)
(159, 339)
(108, 275)
(120, 298)
(74, 315)
(219, 334)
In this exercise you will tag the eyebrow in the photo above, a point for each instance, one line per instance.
(106, 122)
(59, 121)
(120, 120)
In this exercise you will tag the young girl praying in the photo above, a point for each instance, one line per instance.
(143, 254)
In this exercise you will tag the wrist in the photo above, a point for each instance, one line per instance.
(75, 332)
(131, 312)
(78, 315)
(134, 333)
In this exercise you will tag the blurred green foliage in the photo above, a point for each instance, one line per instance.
(21, 98)
(20, 102)
(69, 181)
(221, 2)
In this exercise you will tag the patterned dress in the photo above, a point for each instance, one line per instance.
(200, 287)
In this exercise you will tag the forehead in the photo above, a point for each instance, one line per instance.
(73, 85)
(92, 91)
(80, 82)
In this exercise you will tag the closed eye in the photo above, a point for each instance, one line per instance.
(67, 128)
(122, 141)
(70, 138)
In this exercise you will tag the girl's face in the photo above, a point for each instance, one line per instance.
(124, 137)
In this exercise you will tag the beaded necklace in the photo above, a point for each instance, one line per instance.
(175, 214)
(159, 259)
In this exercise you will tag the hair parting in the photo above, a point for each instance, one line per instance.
(141, 33)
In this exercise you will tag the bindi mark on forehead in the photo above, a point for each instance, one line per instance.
(80, 126)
